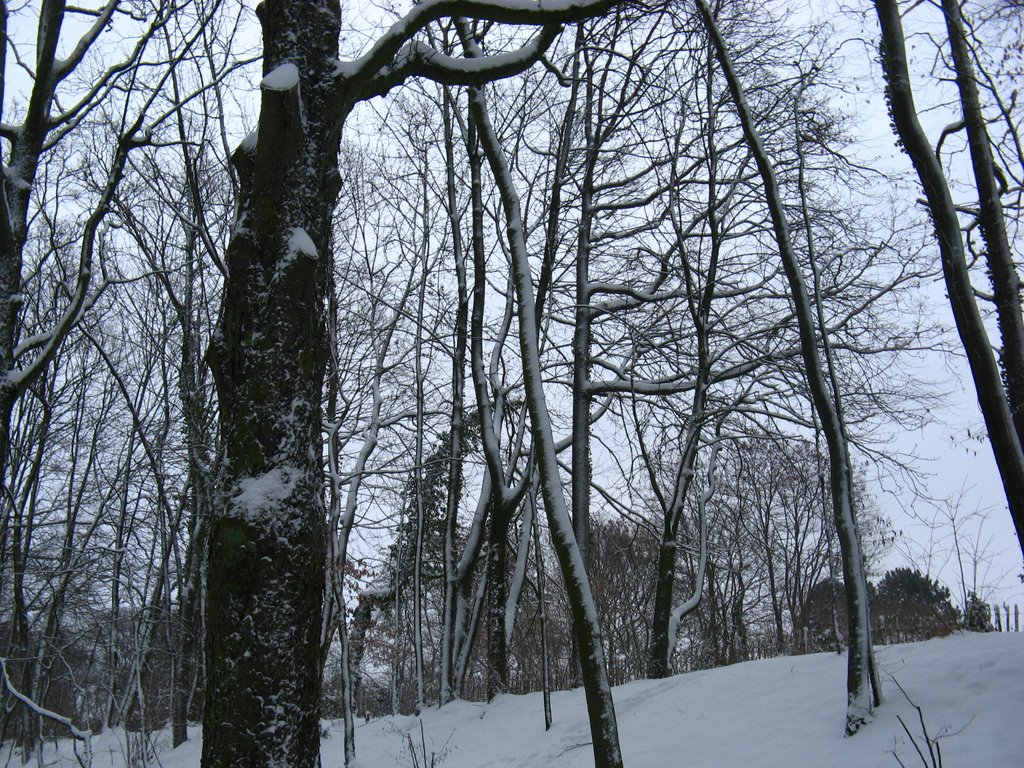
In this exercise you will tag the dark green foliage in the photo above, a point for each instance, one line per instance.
(910, 606)
(977, 614)
(433, 489)
(826, 621)
(906, 606)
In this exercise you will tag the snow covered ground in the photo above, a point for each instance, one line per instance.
(787, 712)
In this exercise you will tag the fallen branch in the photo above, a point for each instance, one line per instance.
(85, 736)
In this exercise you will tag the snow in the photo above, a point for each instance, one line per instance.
(248, 145)
(283, 77)
(14, 178)
(788, 711)
(264, 493)
(300, 243)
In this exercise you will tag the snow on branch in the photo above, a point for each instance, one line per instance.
(64, 67)
(680, 611)
(417, 59)
(85, 736)
(392, 51)
(671, 385)
(282, 78)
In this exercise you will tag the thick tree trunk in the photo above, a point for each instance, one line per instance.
(497, 594)
(1002, 270)
(661, 643)
(267, 541)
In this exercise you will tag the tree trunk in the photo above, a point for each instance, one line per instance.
(1001, 268)
(660, 648)
(497, 594)
(861, 684)
(267, 541)
(1006, 444)
(420, 510)
(545, 660)
(457, 434)
(601, 710)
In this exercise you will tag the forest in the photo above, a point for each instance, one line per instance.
(359, 359)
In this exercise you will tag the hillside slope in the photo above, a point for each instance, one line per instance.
(786, 711)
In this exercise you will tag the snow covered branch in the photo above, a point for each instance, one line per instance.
(85, 736)
(395, 56)
(680, 611)
(418, 59)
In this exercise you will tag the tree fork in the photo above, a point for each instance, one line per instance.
(600, 707)
(268, 356)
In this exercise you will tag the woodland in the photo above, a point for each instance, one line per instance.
(355, 360)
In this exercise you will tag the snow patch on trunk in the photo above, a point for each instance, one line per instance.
(284, 77)
(301, 244)
(255, 496)
(248, 145)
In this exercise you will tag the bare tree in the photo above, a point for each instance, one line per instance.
(66, 95)
(1000, 396)
(863, 691)
(603, 728)
(265, 577)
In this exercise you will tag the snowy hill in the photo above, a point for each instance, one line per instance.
(787, 711)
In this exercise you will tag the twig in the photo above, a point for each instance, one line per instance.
(934, 759)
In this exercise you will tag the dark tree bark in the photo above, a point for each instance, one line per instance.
(995, 408)
(267, 546)
(1002, 270)
(497, 595)
(267, 541)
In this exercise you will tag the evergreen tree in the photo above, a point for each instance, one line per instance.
(911, 606)
(977, 614)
